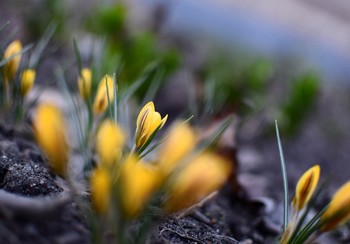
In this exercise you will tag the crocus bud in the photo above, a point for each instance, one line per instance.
(50, 132)
(101, 98)
(27, 81)
(84, 83)
(179, 143)
(11, 67)
(109, 141)
(139, 181)
(148, 121)
(100, 184)
(338, 211)
(200, 177)
(306, 187)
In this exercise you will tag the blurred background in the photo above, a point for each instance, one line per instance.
(258, 60)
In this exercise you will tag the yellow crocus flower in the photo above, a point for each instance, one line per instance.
(100, 184)
(306, 187)
(27, 81)
(109, 141)
(101, 98)
(338, 211)
(49, 127)
(147, 122)
(84, 83)
(139, 181)
(202, 176)
(180, 142)
(11, 67)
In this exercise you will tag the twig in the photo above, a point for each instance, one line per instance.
(16, 205)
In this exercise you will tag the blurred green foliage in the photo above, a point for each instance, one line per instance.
(255, 86)
(300, 100)
(235, 85)
(135, 51)
(41, 13)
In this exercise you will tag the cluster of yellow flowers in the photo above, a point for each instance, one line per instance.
(122, 178)
(334, 215)
(13, 54)
(184, 176)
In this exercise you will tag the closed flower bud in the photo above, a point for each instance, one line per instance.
(50, 132)
(306, 187)
(11, 67)
(139, 181)
(109, 141)
(148, 121)
(101, 99)
(200, 177)
(100, 184)
(338, 211)
(84, 83)
(27, 81)
(180, 142)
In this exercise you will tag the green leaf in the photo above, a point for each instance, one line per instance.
(285, 179)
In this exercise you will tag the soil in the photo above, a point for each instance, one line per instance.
(25, 173)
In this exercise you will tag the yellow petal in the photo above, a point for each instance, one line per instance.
(147, 123)
(338, 211)
(180, 142)
(306, 187)
(11, 67)
(27, 81)
(49, 127)
(205, 174)
(101, 98)
(100, 184)
(109, 141)
(84, 83)
(139, 181)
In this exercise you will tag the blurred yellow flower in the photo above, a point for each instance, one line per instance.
(338, 211)
(100, 184)
(84, 83)
(101, 98)
(11, 67)
(147, 122)
(109, 141)
(180, 142)
(138, 181)
(200, 177)
(50, 132)
(306, 187)
(27, 81)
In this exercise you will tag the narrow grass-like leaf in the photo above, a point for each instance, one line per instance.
(39, 48)
(285, 179)
(115, 100)
(307, 210)
(137, 84)
(109, 100)
(25, 49)
(309, 228)
(162, 140)
(149, 140)
(8, 38)
(192, 95)
(4, 26)
(154, 87)
(77, 118)
(217, 134)
(78, 56)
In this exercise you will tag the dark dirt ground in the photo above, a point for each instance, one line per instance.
(24, 172)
